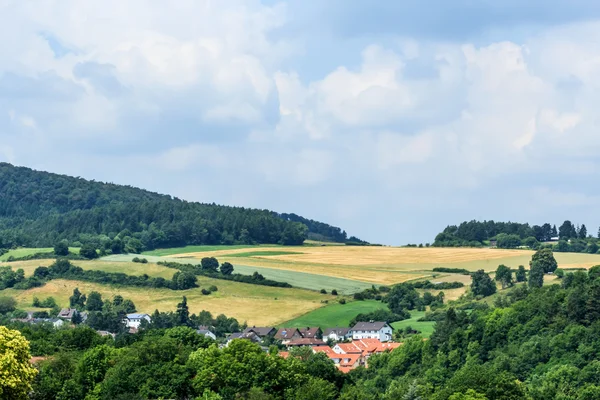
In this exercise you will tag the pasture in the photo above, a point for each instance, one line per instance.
(334, 314)
(425, 327)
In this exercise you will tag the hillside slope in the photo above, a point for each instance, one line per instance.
(37, 209)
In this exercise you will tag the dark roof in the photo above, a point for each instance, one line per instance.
(66, 313)
(203, 332)
(337, 331)
(245, 335)
(309, 332)
(368, 326)
(306, 342)
(206, 328)
(261, 330)
(287, 333)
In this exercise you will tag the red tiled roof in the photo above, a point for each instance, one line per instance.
(349, 348)
(324, 349)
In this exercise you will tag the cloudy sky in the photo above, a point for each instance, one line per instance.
(390, 119)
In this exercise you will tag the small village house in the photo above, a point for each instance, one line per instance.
(337, 334)
(135, 320)
(381, 331)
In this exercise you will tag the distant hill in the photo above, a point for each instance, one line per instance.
(38, 209)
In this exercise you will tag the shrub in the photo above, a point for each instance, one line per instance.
(205, 292)
(323, 291)
(334, 292)
(213, 288)
(7, 304)
(342, 301)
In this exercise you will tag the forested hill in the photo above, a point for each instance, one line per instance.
(38, 209)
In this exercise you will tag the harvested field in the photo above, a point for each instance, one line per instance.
(259, 305)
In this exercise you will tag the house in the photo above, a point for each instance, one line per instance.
(287, 334)
(337, 334)
(135, 320)
(347, 348)
(251, 336)
(262, 332)
(67, 313)
(372, 330)
(204, 331)
(306, 342)
(311, 333)
(56, 322)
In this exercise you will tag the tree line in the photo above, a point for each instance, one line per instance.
(39, 209)
(567, 238)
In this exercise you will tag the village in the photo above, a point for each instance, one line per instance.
(347, 347)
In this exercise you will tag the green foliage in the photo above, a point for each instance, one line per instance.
(88, 250)
(226, 268)
(482, 284)
(504, 276)
(508, 241)
(536, 274)
(16, 373)
(546, 260)
(94, 302)
(61, 248)
(7, 304)
(521, 274)
(380, 315)
(209, 264)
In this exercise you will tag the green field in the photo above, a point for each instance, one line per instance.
(23, 252)
(201, 248)
(335, 314)
(425, 327)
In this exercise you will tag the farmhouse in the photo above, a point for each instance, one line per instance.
(337, 334)
(135, 320)
(372, 330)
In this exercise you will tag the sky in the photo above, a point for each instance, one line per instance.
(390, 119)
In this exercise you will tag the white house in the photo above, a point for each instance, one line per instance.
(337, 334)
(207, 333)
(135, 320)
(372, 330)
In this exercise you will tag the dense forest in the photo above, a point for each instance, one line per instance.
(567, 238)
(39, 209)
(536, 342)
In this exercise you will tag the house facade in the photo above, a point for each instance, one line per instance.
(135, 320)
(381, 331)
(337, 334)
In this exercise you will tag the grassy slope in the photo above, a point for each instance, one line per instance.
(334, 314)
(426, 327)
(22, 252)
(246, 302)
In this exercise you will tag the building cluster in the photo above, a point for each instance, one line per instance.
(349, 347)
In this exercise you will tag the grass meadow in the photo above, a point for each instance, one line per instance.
(425, 327)
(334, 314)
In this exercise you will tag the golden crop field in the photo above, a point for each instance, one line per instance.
(258, 305)
(383, 265)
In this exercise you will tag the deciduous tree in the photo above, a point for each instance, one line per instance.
(16, 372)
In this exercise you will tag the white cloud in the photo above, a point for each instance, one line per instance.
(221, 90)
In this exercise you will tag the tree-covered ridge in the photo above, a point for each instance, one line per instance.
(38, 209)
(322, 231)
(571, 237)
